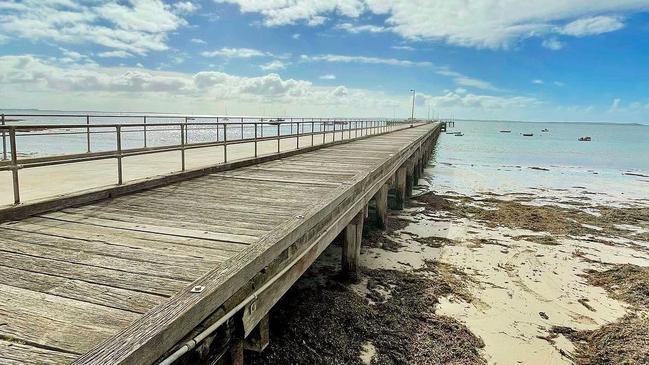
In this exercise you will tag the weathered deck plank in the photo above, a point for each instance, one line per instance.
(115, 275)
(83, 291)
(69, 325)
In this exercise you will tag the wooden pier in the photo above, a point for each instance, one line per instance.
(187, 269)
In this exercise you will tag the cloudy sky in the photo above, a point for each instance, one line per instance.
(575, 60)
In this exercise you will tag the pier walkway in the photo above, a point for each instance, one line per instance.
(153, 275)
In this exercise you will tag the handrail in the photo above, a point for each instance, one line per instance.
(226, 133)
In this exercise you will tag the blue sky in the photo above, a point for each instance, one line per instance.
(570, 60)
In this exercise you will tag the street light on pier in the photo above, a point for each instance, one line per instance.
(412, 111)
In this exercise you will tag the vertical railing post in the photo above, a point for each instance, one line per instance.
(120, 179)
(14, 164)
(312, 131)
(334, 134)
(183, 137)
(291, 121)
(242, 128)
(255, 140)
(4, 139)
(278, 133)
(186, 129)
(355, 129)
(323, 129)
(225, 143)
(144, 130)
(217, 129)
(88, 133)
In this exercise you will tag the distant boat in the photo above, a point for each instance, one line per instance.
(459, 134)
(585, 139)
(545, 130)
(505, 131)
(275, 121)
(528, 134)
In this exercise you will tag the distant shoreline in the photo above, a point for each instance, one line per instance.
(550, 121)
(44, 111)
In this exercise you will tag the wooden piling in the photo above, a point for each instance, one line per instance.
(352, 246)
(410, 178)
(381, 199)
(399, 189)
(259, 339)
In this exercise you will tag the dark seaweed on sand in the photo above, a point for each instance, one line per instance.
(323, 321)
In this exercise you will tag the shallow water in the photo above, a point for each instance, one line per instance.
(522, 287)
(486, 160)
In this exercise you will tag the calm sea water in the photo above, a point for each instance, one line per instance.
(74, 140)
(615, 164)
(613, 146)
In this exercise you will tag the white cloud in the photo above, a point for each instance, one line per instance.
(464, 80)
(137, 26)
(474, 23)
(327, 77)
(273, 65)
(235, 53)
(538, 81)
(363, 28)
(185, 7)
(615, 105)
(114, 54)
(45, 83)
(362, 59)
(592, 26)
(39, 75)
(472, 101)
(284, 12)
(559, 83)
(296, 36)
(197, 41)
(553, 44)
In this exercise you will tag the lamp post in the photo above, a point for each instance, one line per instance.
(412, 111)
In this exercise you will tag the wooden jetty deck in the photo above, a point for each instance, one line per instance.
(130, 280)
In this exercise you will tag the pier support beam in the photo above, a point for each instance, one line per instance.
(381, 199)
(410, 178)
(352, 238)
(259, 339)
(399, 189)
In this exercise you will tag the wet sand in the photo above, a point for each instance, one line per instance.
(529, 254)
(520, 271)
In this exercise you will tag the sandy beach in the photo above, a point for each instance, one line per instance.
(478, 271)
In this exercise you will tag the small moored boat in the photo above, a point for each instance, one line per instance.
(275, 121)
(585, 139)
(545, 130)
(528, 134)
(505, 131)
